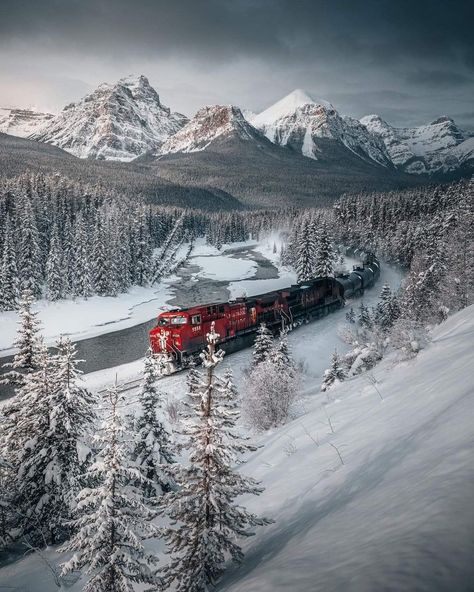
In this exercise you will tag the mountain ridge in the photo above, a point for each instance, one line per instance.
(114, 122)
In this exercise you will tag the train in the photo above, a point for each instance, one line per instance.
(180, 334)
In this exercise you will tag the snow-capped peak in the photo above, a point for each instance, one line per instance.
(286, 107)
(439, 146)
(117, 121)
(209, 124)
(305, 125)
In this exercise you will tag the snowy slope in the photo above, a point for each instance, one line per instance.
(115, 122)
(209, 124)
(299, 121)
(398, 514)
(22, 122)
(438, 147)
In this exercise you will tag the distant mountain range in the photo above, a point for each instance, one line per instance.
(125, 120)
(299, 151)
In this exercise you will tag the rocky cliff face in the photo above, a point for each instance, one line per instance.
(301, 122)
(22, 122)
(208, 125)
(115, 122)
(439, 147)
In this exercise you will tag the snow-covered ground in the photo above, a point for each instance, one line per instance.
(399, 513)
(82, 318)
(394, 512)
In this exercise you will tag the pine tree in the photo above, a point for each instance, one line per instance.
(113, 517)
(99, 271)
(29, 261)
(335, 373)
(24, 447)
(27, 342)
(71, 420)
(262, 346)
(153, 450)
(325, 255)
(281, 356)
(204, 509)
(54, 269)
(8, 272)
(364, 317)
(387, 309)
(81, 284)
(306, 252)
(351, 316)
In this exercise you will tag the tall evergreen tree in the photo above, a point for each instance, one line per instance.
(387, 310)
(99, 260)
(306, 252)
(81, 282)
(113, 517)
(262, 346)
(203, 508)
(8, 272)
(325, 254)
(153, 450)
(55, 273)
(27, 342)
(29, 261)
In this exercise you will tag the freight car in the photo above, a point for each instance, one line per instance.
(180, 334)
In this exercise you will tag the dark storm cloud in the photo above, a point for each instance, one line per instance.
(438, 78)
(252, 50)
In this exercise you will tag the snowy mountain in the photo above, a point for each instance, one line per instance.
(209, 124)
(306, 125)
(439, 147)
(115, 122)
(22, 122)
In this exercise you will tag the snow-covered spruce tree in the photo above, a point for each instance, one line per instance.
(23, 448)
(46, 444)
(351, 316)
(99, 260)
(113, 517)
(29, 259)
(281, 356)
(27, 342)
(153, 449)
(262, 346)
(325, 254)
(54, 269)
(305, 263)
(8, 271)
(336, 373)
(206, 520)
(6, 502)
(364, 317)
(387, 310)
(81, 283)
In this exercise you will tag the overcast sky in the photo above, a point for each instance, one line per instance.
(409, 61)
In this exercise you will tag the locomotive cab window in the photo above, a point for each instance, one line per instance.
(196, 320)
(178, 320)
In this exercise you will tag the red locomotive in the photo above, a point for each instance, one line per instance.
(180, 334)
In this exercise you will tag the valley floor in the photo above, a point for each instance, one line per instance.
(97, 315)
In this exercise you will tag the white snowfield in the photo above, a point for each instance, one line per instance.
(398, 515)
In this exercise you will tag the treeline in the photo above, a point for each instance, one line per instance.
(429, 231)
(59, 238)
